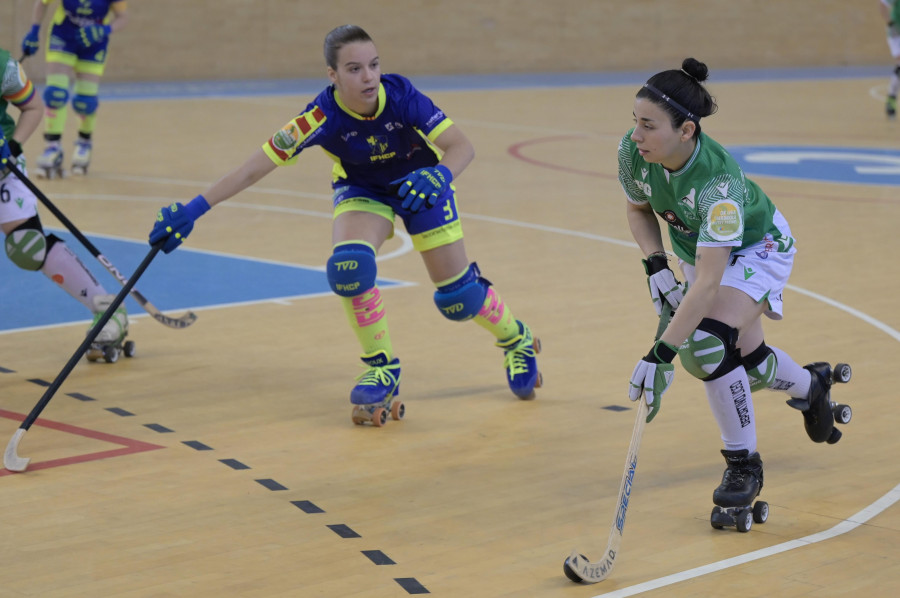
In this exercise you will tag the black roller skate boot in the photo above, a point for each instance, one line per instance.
(819, 412)
(741, 483)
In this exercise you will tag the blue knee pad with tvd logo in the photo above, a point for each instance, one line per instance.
(351, 269)
(462, 299)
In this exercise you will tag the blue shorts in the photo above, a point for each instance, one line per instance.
(428, 229)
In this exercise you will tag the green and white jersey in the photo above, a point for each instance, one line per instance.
(707, 203)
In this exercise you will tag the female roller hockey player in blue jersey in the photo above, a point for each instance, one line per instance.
(384, 136)
(77, 47)
(736, 252)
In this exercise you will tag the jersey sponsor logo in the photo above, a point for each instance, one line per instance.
(688, 199)
(435, 118)
(725, 221)
(287, 137)
(675, 222)
(379, 146)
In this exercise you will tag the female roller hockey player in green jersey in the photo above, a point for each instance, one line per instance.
(28, 246)
(736, 251)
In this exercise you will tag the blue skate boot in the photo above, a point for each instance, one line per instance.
(520, 363)
(820, 413)
(374, 396)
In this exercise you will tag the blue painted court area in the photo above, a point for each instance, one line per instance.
(853, 165)
(184, 279)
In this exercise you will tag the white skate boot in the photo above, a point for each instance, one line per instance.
(110, 341)
(81, 159)
(49, 164)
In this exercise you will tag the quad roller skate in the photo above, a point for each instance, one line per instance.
(110, 341)
(81, 159)
(373, 397)
(741, 483)
(49, 164)
(820, 413)
(520, 363)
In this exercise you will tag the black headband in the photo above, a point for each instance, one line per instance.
(668, 100)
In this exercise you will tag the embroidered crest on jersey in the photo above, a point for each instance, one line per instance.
(286, 141)
(379, 146)
(725, 221)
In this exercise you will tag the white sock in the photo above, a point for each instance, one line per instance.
(790, 377)
(64, 268)
(731, 404)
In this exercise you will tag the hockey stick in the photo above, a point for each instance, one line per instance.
(182, 321)
(11, 460)
(577, 567)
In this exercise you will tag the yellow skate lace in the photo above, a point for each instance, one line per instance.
(514, 359)
(375, 376)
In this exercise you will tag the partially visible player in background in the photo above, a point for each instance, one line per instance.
(27, 245)
(890, 12)
(395, 154)
(76, 48)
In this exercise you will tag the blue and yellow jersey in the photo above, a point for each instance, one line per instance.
(76, 14)
(367, 151)
(15, 89)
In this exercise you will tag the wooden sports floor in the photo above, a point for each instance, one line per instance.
(232, 468)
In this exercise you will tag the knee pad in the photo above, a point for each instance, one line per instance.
(351, 269)
(27, 246)
(462, 299)
(55, 97)
(710, 351)
(761, 366)
(85, 105)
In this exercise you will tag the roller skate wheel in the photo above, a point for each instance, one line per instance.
(842, 373)
(129, 349)
(842, 413)
(719, 518)
(79, 170)
(398, 410)
(540, 380)
(93, 354)
(379, 417)
(536, 345)
(760, 511)
(359, 415)
(744, 520)
(110, 354)
(570, 572)
(835, 436)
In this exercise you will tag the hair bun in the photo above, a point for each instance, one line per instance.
(695, 69)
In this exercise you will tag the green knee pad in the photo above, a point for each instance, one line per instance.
(763, 374)
(709, 352)
(27, 248)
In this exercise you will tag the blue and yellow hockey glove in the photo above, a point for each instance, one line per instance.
(421, 188)
(31, 41)
(174, 223)
(92, 34)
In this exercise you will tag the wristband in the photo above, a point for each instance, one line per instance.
(14, 148)
(662, 352)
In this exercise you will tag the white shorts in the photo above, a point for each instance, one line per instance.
(761, 270)
(17, 202)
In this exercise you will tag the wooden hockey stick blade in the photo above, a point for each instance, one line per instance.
(11, 459)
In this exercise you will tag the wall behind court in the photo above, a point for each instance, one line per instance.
(249, 39)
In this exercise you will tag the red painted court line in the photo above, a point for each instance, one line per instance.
(129, 446)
